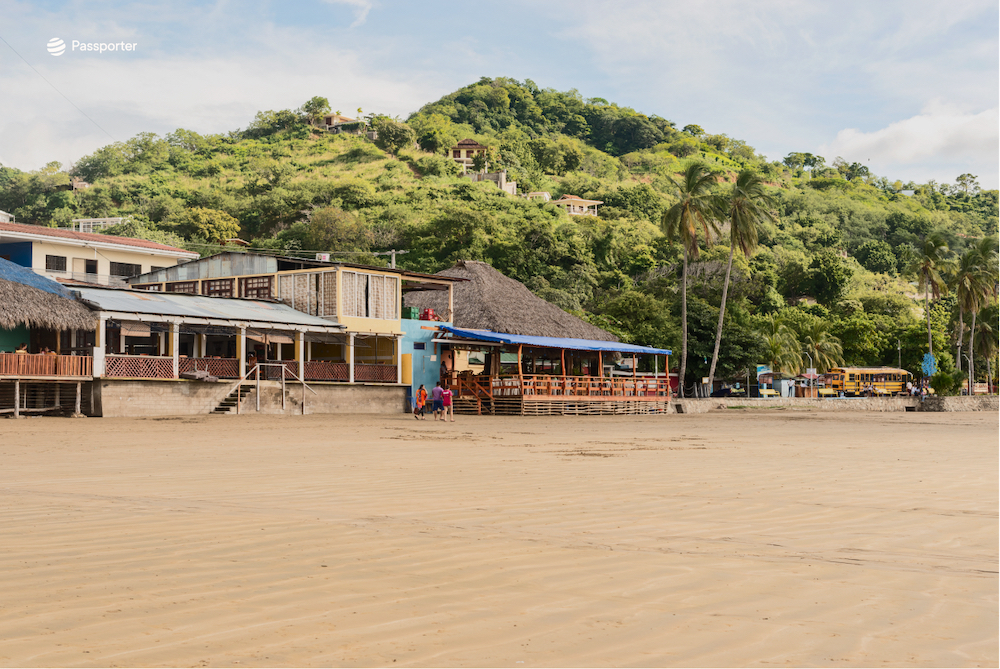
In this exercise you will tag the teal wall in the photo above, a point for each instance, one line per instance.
(425, 370)
(11, 339)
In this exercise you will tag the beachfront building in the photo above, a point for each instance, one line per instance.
(511, 352)
(71, 255)
(46, 338)
(365, 301)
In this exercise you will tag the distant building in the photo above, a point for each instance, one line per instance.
(538, 196)
(577, 206)
(499, 178)
(82, 256)
(6, 218)
(463, 152)
(94, 224)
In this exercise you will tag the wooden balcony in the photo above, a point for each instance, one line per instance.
(46, 366)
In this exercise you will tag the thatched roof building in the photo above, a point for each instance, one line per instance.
(37, 302)
(488, 300)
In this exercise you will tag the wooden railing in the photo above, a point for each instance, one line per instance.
(324, 370)
(364, 371)
(44, 364)
(139, 367)
(223, 368)
(562, 386)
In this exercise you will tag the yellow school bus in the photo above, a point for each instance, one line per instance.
(855, 381)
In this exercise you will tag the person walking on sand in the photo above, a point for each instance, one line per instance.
(418, 410)
(446, 396)
(436, 405)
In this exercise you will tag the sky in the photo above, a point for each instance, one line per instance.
(908, 88)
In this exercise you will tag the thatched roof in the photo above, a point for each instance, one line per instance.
(488, 300)
(32, 300)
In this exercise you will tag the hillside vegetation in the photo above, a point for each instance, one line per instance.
(839, 256)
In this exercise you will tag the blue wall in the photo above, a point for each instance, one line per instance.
(425, 370)
(19, 252)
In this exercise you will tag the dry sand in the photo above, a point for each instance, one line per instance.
(770, 538)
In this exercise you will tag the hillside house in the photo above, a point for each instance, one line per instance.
(70, 255)
(577, 206)
(463, 152)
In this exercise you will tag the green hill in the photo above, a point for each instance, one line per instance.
(836, 258)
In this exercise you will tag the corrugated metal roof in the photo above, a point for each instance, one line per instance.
(18, 274)
(199, 306)
(556, 342)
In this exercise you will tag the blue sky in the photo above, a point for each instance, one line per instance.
(908, 88)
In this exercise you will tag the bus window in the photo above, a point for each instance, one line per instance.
(850, 377)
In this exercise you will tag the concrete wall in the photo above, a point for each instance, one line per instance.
(117, 398)
(976, 403)
(426, 366)
(329, 399)
(838, 404)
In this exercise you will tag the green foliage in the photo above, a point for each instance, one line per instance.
(877, 256)
(392, 135)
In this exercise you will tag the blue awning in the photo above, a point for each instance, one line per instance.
(555, 342)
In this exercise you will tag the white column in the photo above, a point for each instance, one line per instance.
(397, 342)
(100, 337)
(350, 356)
(241, 351)
(175, 347)
(300, 354)
(121, 340)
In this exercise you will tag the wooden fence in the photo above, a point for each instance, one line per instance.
(43, 364)
(139, 367)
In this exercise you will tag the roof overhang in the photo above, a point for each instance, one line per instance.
(554, 342)
(333, 328)
(86, 243)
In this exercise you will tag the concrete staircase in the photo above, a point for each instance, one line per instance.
(229, 403)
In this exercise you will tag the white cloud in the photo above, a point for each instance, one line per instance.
(361, 9)
(941, 138)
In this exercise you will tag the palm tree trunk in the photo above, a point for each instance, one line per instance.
(972, 337)
(684, 326)
(927, 312)
(961, 337)
(722, 314)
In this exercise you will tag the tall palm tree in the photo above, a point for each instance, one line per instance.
(746, 205)
(825, 348)
(696, 208)
(930, 262)
(985, 252)
(967, 280)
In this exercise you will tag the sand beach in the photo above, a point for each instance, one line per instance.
(768, 538)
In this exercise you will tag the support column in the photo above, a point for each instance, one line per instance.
(397, 341)
(350, 357)
(121, 341)
(17, 398)
(100, 342)
(300, 354)
(79, 389)
(175, 347)
(241, 351)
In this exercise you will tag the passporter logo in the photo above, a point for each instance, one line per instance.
(57, 46)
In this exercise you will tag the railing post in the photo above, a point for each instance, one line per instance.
(241, 351)
(350, 357)
(300, 353)
(258, 388)
(175, 347)
(99, 344)
(17, 398)
(78, 393)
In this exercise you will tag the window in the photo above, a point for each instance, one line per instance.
(55, 263)
(258, 287)
(217, 288)
(90, 266)
(456, 154)
(183, 287)
(125, 269)
(419, 346)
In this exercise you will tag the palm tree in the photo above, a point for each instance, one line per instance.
(696, 208)
(987, 343)
(781, 346)
(746, 206)
(967, 282)
(825, 348)
(985, 253)
(927, 266)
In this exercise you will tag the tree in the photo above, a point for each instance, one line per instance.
(928, 265)
(315, 109)
(746, 206)
(985, 254)
(694, 130)
(696, 208)
(214, 225)
(781, 347)
(824, 348)
(876, 256)
(392, 135)
(967, 183)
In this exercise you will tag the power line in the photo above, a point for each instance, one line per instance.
(57, 90)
